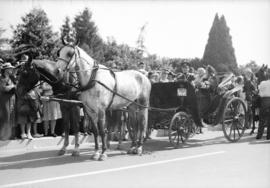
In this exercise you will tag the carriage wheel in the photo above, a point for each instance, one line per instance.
(234, 119)
(179, 128)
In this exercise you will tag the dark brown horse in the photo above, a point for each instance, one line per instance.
(29, 77)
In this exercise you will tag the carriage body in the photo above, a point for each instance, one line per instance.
(169, 98)
(179, 107)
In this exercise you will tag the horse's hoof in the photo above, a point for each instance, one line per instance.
(258, 137)
(62, 152)
(139, 151)
(96, 156)
(75, 153)
(131, 150)
(135, 151)
(103, 157)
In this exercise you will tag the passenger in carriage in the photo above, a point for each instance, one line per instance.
(142, 68)
(250, 86)
(164, 76)
(210, 79)
(171, 77)
(198, 82)
(185, 72)
(153, 77)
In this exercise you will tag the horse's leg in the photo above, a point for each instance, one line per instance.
(109, 128)
(120, 127)
(102, 131)
(253, 121)
(142, 118)
(132, 130)
(75, 121)
(66, 125)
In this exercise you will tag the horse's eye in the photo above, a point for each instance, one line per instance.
(70, 54)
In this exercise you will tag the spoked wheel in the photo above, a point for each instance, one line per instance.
(234, 119)
(179, 129)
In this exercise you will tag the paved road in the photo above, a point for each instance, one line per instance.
(207, 160)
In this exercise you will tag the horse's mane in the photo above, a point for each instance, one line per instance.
(87, 57)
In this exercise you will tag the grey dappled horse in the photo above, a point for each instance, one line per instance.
(97, 88)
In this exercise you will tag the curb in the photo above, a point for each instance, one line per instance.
(56, 142)
(39, 143)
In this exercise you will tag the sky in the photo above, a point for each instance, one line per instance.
(173, 28)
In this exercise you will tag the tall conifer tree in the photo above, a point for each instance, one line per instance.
(219, 51)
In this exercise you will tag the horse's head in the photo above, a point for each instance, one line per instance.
(66, 61)
(262, 74)
(28, 77)
(74, 61)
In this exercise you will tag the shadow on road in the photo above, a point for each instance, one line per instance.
(47, 158)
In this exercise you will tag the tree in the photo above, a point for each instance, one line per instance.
(87, 35)
(67, 31)
(2, 40)
(219, 51)
(35, 32)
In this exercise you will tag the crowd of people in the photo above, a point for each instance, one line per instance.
(28, 116)
(34, 116)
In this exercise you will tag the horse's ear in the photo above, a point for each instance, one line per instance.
(63, 41)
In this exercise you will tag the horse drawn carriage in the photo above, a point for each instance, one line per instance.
(181, 109)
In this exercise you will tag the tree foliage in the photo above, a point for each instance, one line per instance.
(219, 51)
(35, 31)
(87, 34)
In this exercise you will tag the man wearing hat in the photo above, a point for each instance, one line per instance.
(171, 76)
(7, 102)
(186, 75)
(142, 68)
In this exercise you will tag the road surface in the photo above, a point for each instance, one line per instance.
(206, 161)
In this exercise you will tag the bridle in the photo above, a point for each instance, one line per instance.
(73, 60)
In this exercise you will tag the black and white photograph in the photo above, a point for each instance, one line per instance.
(135, 93)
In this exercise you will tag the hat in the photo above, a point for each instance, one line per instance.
(141, 63)
(7, 66)
(24, 58)
(248, 70)
(184, 63)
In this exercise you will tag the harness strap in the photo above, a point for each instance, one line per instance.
(91, 82)
(114, 89)
(136, 103)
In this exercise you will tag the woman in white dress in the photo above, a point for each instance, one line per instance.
(51, 110)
